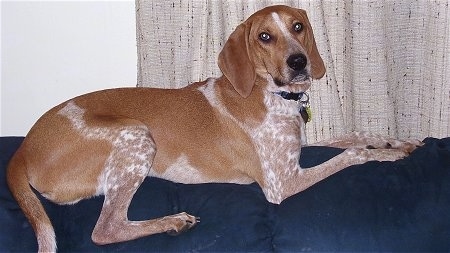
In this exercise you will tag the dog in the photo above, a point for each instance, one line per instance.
(245, 126)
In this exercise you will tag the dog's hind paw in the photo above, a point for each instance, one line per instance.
(182, 223)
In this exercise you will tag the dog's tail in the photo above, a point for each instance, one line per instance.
(31, 205)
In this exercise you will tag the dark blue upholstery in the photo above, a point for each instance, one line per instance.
(379, 206)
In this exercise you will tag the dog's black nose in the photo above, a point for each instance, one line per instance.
(297, 62)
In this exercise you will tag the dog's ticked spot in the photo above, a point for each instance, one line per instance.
(131, 153)
(278, 144)
(75, 115)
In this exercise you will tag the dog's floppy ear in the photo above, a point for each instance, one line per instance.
(317, 65)
(235, 63)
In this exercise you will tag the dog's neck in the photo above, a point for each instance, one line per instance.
(302, 99)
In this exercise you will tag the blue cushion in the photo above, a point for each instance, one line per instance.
(378, 206)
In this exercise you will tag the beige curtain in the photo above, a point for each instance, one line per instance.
(388, 62)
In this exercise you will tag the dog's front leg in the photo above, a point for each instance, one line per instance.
(285, 180)
(370, 141)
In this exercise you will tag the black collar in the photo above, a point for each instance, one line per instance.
(293, 95)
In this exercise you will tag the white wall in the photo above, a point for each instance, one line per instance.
(52, 51)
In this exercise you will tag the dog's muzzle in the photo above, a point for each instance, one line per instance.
(298, 72)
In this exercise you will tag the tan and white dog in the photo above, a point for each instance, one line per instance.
(242, 127)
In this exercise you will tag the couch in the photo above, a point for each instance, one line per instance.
(378, 206)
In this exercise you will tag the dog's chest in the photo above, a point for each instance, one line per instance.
(278, 138)
(278, 145)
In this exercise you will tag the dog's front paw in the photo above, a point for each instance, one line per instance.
(362, 155)
(182, 222)
(407, 146)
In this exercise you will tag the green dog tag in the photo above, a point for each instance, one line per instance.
(309, 113)
(306, 114)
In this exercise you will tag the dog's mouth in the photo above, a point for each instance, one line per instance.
(300, 81)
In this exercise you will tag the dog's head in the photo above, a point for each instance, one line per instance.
(276, 43)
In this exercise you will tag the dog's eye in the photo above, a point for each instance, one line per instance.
(298, 27)
(264, 36)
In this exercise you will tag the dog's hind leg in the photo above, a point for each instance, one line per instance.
(125, 169)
